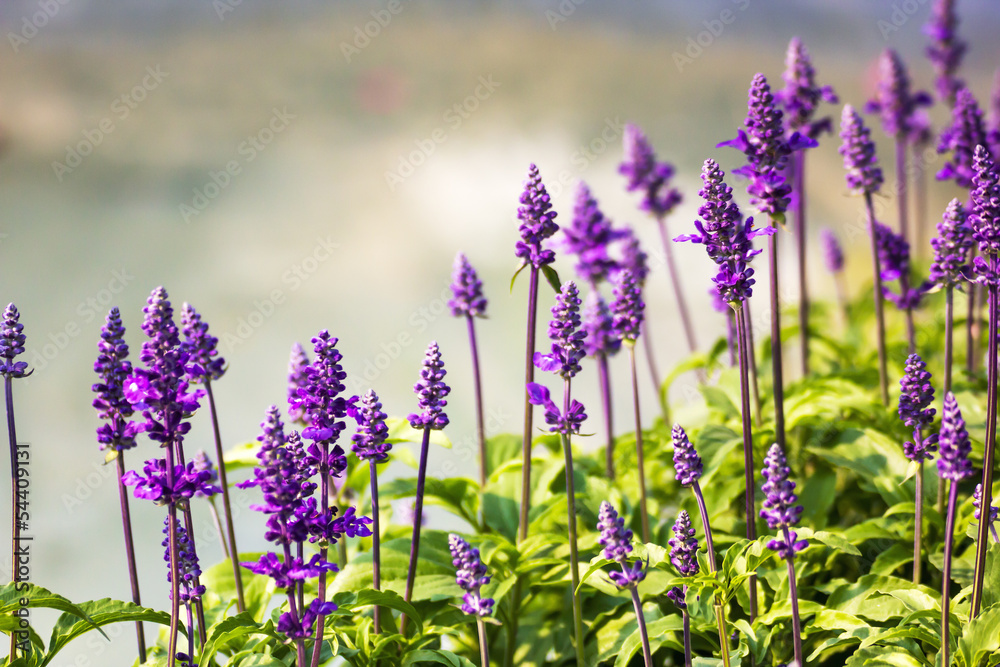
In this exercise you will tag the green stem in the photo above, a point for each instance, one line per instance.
(574, 556)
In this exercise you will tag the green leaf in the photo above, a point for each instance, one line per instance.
(98, 613)
(500, 449)
(552, 277)
(242, 455)
(991, 580)
(719, 400)
(458, 494)
(391, 599)
(655, 630)
(516, 274)
(439, 656)
(401, 431)
(257, 588)
(829, 539)
(230, 629)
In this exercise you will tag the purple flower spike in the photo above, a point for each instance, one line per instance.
(634, 258)
(977, 503)
(961, 138)
(864, 176)
(951, 247)
(466, 289)
(894, 100)
(566, 335)
(946, 50)
(187, 563)
(369, 441)
(320, 399)
(953, 462)
(615, 537)
(684, 546)
(993, 120)
(833, 254)
(644, 173)
(431, 390)
(201, 463)
(114, 369)
(12, 343)
(985, 216)
(568, 424)
(537, 222)
(471, 575)
(893, 253)
(200, 347)
(687, 463)
(916, 396)
(298, 362)
(801, 95)
(589, 236)
(780, 510)
(627, 308)
(599, 327)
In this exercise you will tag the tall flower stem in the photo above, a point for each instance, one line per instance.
(529, 376)
(901, 194)
(647, 654)
(777, 374)
(949, 323)
(883, 377)
(720, 614)
(574, 557)
(130, 553)
(687, 637)
(911, 334)
(175, 591)
(751, 514)
(189, 527)
(609, 430)
(477, 382)
(989, 455)
(484, 647)
(972, 327)
(418, 513)
(300, 647)
(799, 188)
(15, 540)
(918, 520)
(376, 551)
(190, 629)
(654, 374)
(793, 595)
(675, 282)
(217, 523)
(227, 507)
(324, 494)
(640, 461)
(949, 541)
(752, 359)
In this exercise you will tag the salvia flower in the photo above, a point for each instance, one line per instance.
(599, 327)
(369, 441)
(466, 289)
(801, 95)
(687, 463)
(320, 399)
(187, 563)
(589, 237)
(203, 360)
(566, 334)
(945, 50)
(779, 509)
(977, 503)
(953, 461)
(471, 575)
(986, 215)
(915, 398)
(951, 247)
(12, 343)
(617, 543)
(864, 176)
(643, 172)
(153, 484)
(894, 100)
(627, 308)
(993, 119)
(114, 368)
(894, 260)
(570, 423)
(833, 253)
(683, 555)
(537, 222)
(201, 463)
(298, 362)
(961, 138)
(431, 391)
(293, 628)
(634, 258)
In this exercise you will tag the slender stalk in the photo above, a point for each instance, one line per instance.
(609, 430)
(342, 554)
(190, 632)
(799, 213)
(793, 595)
(654, 374)
(731, 338)
(418, 512)
(720, 615)
(227, 507)
(901, 194)
(15, 532)
(777, 375)
(911, 334)
(991, 436)
(641, 466)
(918, 518)
(883, 378)
(920, 202)
(972, 323)
(376, 551)
(574, 556)
(484, 647)
(949, 541)
(293, 608)
(175, 591)
(751, 514)
(133, 575)
(752, 357)
(480, 422)
(529, 376)
(675, 282)
(217, 523)
(324, 494)
(687, 636)
(199, 606)
(300, 588)
(647, 654)
(949, 323)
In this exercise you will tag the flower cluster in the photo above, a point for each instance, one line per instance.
(833, 254)
(627, 308)
(644, 173)
(945, 50)
(977, 503)
(864, 176)
(200, 348)
(634, 258)
(187, 564)
(961, 138)
(687, 463)
(779, 509)
(320, 399)
(113, 368)
(566, 335)
(569, 423)
(725, 235)
(154, 484)
(617, 543)
(298, 362)
(894, 260)
(683, 555)
(537, 222)
(12, 343)
(466, 289)
(589, 236)
(986, 216)
(953, 462)
(801, 95)
(894, 100)
(470, 576)
(369, 441)
(598, 326)
(951, 247)
(431, 391)
(915, 398)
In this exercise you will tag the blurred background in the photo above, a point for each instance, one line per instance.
(289, 167)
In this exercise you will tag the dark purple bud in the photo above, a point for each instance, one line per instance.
(627, 308)
(684, 546)
(779, 509)
(369, 441)
(466, 289)
(687, 463)
(599, 327)
(431, 391)
(801, 95)
(471, 575)
(864, 176)
(187, 564)
(320, 399)
(985, 217)
(537, 222)
(977, 503)
(916, 394)
(200, 348)
(833, 254)
(951, 247)
(634, 259)
(114, 369)
(644, 173)
(615, 537)
(297, 379)
(945, 50)
(566, 335)
(953, 461)
(12, 343)
(894, 100)
(589, 237)
(961, 138)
